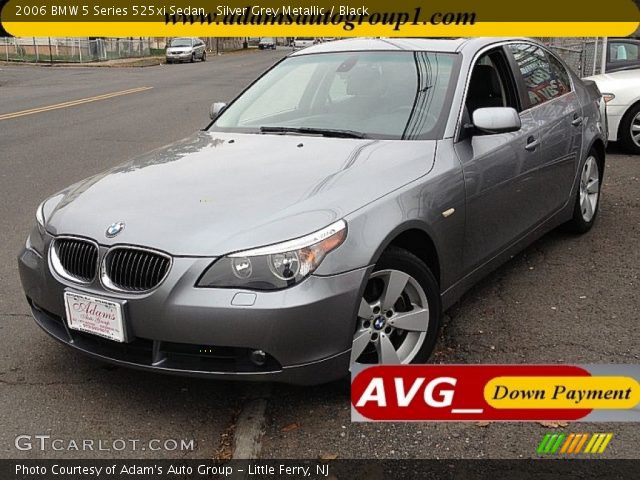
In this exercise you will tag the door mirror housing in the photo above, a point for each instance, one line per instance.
(216, 109)
(492, 120)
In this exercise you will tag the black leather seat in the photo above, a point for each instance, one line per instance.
(484, 89)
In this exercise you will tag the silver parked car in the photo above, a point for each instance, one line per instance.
(326, 217)
(267, 43)
(186, 50)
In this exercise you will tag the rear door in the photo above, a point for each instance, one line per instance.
(550, 97)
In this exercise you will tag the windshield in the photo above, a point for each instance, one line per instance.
(390, 95)
(181, 42)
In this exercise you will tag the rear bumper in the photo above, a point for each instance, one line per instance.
(306, 331)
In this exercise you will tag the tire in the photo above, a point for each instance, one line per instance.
(204, 56)
(193, 57)
(409, 323)
(630, 126)
(587, 199)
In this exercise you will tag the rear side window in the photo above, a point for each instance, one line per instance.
(623, 52)
(545, 78)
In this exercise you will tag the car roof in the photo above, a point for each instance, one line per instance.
(452, 45)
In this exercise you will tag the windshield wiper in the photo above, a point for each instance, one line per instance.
(325, 132)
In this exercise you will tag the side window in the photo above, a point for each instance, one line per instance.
(623, 52)
(491, 83)
(544, 79)
(560, 74)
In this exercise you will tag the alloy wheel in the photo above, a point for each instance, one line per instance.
(589, 188)
(635, 129)
(393, 320)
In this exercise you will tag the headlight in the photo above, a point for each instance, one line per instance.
(40, 216)
(276, 266)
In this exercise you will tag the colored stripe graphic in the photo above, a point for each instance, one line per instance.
(580, 443)
(550, 443)
(598, 443)
(573, 443)
(591, 442)
(568, 442)
(557, 444)
(605, 442)
(543, 443)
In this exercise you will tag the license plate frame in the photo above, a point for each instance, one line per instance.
(95, 315)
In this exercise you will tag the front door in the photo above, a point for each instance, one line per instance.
(499, 169)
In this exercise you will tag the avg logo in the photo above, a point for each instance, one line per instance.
(574, 443)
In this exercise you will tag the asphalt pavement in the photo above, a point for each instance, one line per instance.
(566, 299)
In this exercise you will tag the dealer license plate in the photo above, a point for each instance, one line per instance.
(95, 315)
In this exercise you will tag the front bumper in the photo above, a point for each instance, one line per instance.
(178, 57)
(614, 117)
(306, 331)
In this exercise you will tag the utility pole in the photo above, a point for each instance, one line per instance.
(35, 48)
(603, 65)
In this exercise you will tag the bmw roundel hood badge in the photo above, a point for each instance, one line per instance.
(114, 229)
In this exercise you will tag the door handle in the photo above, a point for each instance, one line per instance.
(532, 144)
(577, 121)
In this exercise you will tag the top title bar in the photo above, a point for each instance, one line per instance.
(319, 18)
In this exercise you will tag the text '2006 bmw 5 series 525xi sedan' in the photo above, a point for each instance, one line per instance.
(326, 217)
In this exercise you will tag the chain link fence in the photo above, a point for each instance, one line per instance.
(582, 54)
(85, 50)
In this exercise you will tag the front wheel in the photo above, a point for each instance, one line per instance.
(204, 56)
(400, 313)
(630, 130)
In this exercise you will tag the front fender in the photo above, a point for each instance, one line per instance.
(418, 205)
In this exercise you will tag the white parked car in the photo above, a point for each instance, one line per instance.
(303, 42)
(621, 91)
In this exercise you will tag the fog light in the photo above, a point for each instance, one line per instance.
(258, 357)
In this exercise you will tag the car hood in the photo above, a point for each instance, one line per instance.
(215, 193)
(178, 49)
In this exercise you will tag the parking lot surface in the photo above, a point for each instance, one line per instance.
(566, 299)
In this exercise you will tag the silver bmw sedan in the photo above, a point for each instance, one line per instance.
(326, 217)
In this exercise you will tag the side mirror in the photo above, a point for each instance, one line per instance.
(216, 109)
(494, 120)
